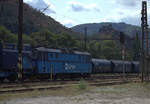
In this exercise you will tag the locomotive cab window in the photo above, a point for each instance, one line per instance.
(51, 55)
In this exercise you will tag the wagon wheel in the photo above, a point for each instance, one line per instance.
(12, 78)
(2, 79)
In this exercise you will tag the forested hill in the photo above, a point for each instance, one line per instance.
(94, 28)
(34, 20)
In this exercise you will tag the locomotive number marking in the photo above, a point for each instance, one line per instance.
(69, 66)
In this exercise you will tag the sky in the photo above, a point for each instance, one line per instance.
(75, 12)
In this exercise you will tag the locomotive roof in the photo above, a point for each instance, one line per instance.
(62, 51)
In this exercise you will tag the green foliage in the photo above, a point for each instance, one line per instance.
(106, 49)
(82, 85)
(28, 40)
(66, 40)
(49, 39)
(95, 49)
(110, 50)
(7, 36)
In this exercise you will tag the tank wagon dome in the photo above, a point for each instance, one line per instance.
(120, 61)
(98, 61)
(68, 51)
(136, 62)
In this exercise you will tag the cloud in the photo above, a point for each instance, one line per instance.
(79, 7)
(132, 20)
(69, 23)
(121, 15)
(128, 3)
(42, 5)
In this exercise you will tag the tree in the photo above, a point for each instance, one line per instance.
(110, 50)
(66, 40)
(7, 36)
(28, 40)
(95, 49)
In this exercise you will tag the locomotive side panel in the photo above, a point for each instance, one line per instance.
(56, 62)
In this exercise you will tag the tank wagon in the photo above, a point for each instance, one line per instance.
(114, 66)
(61, 63)
(135, 67)
(122, 66)
(101, 66)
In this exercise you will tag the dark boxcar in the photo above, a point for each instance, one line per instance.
(1, 61)
(119, 65)
(62, 62)
(10, 61)
(101, 66)
(135, 67)
(128, 67)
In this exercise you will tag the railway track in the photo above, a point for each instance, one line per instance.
(53, 86)
(93, 78)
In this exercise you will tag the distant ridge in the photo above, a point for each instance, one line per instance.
(94, 28)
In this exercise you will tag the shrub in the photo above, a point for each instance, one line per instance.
(82, 85)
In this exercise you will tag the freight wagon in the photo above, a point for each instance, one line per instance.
(9, 62)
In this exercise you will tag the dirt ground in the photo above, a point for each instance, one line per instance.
(133, 93)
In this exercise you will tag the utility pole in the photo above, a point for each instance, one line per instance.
(122, 41)
(144, 44)
(20, 28)
(85, 38)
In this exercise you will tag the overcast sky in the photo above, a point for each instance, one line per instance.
(73, 12)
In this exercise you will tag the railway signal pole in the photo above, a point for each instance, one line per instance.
(145, 43)
(20, 28)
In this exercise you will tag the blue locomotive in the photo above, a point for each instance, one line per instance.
(60, 63)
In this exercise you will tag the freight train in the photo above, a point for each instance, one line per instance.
(46, 63)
